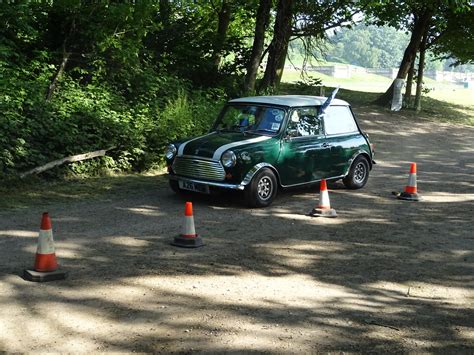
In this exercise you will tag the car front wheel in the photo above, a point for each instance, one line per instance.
(175, 186)
(262, 189)
(358, 174)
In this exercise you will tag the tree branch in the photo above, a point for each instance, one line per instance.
(62, 66)
(70, 159)
(310, 29)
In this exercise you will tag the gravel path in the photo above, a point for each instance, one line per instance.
(386, 275)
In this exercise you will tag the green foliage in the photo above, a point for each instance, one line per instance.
(368, 46)
(310, 86)
(457, 41)
(183, 115)
(117, 89)
(83, 118)
(81, 76)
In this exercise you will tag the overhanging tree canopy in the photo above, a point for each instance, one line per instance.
(420, 18)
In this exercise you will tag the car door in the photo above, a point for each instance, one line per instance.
(342, 137)
(304, 152)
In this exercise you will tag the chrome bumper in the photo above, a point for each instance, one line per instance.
(210, 183)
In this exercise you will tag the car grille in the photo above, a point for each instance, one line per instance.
(197, 168)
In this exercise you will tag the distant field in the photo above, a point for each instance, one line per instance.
(443, 91)
(367, 82)
(459, 98)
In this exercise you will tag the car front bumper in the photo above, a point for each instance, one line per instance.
(209, 183)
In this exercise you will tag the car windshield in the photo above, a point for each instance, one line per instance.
(253, 119)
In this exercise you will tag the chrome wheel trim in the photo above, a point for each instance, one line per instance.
(265, 188)
(360, 172)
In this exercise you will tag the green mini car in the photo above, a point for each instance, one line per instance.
(263, 143)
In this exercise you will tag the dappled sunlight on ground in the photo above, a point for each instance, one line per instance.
(129, 242)
(19, 233)
(195, 307)
(440, 197)
(147, 211)
(385, 275)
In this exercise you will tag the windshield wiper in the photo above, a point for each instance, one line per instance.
(263, 130)
(251, 131)
(225, 130)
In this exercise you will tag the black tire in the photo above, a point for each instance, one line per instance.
(358, 174)
(262, 189)
(175, 186)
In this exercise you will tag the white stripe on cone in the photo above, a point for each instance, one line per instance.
(412, 180)
(324, 199)
(45, 242)
(189, 226)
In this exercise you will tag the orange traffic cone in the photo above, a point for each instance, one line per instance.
(189, 238)
(46, 265)
(324, 208)
(410, 193)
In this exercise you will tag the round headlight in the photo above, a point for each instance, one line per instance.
(170, 152)
(228, 159)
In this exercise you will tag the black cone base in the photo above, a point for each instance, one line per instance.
(323, 212)
(187, 242)
(37, 276)
(409, 196)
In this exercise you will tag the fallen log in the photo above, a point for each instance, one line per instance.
(69, 159)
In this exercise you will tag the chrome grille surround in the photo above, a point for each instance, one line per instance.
(199, 168)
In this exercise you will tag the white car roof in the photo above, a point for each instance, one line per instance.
(289, 100)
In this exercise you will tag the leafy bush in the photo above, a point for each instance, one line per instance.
(84, 118)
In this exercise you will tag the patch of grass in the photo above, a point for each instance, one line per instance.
(443, 91)
(452, 93)
(358, 81)
(446, 111)
(356, 98)
(432, 109)
(26, 193)
(445, 101)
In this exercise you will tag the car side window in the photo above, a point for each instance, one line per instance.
(304, 121)
(339, 120)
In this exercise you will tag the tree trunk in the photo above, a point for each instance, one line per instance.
(421, 67)
(222, 27)
(62, 66)
(421, 24)
(262, 21)
(57, 76)
(279, 45)
(411, 72)
(165, 12)
(280, 67)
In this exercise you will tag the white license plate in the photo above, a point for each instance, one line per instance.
(193, 186)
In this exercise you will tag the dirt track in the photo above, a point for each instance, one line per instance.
(385, 275)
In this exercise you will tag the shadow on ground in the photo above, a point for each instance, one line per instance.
(386, 275)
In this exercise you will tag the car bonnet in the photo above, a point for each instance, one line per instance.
(214, 144)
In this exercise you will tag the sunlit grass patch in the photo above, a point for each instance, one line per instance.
(446, 102)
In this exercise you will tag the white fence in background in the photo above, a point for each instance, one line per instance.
(347, 71)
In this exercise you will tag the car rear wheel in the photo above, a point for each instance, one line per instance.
(262, 189)
(358, 173)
